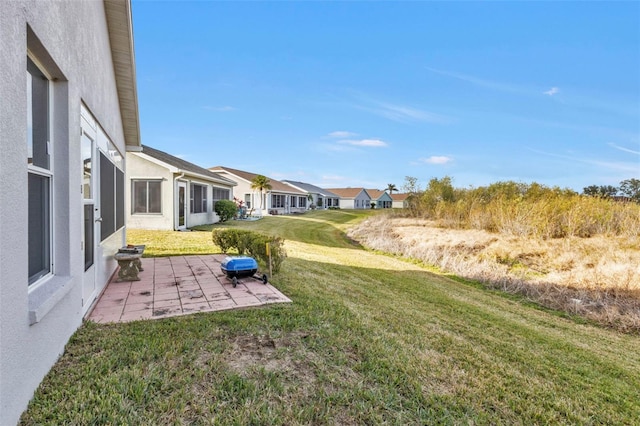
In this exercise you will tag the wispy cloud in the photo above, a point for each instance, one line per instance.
(551, 91)
(342, 134)
(618, 106)
(397, 112)
(225, 108)
(621, 148)
(437, 159)
(364, 142)
(404, 114)
(489, 84)
(615, 166)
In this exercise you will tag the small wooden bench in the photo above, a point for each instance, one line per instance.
(129, 262)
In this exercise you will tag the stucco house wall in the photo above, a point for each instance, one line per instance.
(70, 41)
(382, 198)
(244, 193)
(352, 198)
(400, 201)
(151, 165)
(140, 168)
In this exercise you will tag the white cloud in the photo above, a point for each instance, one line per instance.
(364, 142)
(437, 159)
(621, 148)
(342, 134)
(551, 91)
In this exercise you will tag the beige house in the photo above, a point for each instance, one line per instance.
(399, 201)
(167, 192)
(280, 199)
(352, 198)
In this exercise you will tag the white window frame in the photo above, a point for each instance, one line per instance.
(133, 196)
(204, 197)
(37, 280)
(214, 193)
(282, 200)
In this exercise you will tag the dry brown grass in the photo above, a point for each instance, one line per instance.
(597, 278)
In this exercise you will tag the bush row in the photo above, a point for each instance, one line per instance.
(251, 243)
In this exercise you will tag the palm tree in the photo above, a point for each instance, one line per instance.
(261, 183)
(391, 187)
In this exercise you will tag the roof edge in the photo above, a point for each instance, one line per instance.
(120, 27)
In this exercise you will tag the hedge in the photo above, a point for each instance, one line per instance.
(251, 243)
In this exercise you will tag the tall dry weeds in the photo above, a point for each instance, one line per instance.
(597, 278)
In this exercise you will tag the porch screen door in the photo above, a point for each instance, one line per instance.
(89, 223)
(182, 206)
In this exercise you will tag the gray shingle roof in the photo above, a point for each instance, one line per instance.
(184, 165)
(312, 188)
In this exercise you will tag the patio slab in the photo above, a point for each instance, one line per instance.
(179, 285)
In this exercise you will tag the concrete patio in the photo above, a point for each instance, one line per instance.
(179, 285)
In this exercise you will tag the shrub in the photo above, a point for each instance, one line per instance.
(225, 209)
(252, 243)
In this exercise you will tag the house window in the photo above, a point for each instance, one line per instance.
(247, 200)
(293, 201)
(277, 201)
(220, 194)
(111, 193)
(147, 196)
(40, 172)
(198, 198)
(302, 202)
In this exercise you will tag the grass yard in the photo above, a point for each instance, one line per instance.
(368, 339)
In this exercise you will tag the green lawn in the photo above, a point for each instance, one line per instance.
(368, 339)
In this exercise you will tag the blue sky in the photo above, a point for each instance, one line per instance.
(342, 94)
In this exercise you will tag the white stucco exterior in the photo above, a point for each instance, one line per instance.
(292, 199)
(352, 198)
(70, 42)
(143, 167)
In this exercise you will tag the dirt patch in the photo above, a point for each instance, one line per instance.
(285, 355)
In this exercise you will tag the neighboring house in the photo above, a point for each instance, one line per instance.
(399, 201)
(382, 198)
(280, 199)
(352, 198)
(69, 113)
(321, 198)
(167, 192)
